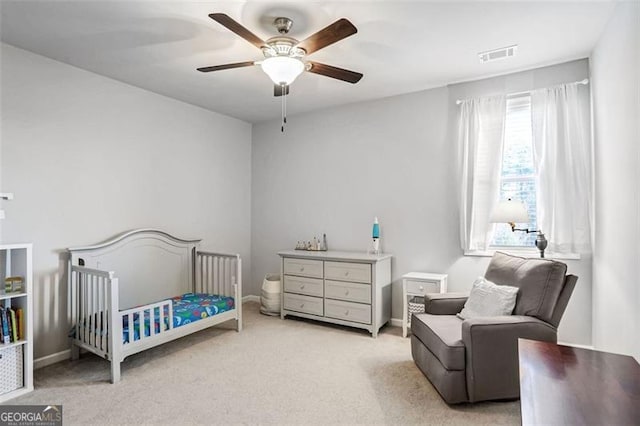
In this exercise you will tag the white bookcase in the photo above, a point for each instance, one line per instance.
(16, 358)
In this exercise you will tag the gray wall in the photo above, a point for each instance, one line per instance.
(88, 157)
(615, 67)
(332, 171)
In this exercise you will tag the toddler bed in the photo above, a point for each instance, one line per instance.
(111, 315)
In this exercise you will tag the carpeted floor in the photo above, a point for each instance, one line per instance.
(273, 372)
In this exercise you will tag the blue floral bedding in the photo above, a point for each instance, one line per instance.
(187, 308)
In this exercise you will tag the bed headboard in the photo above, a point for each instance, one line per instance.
(151, 265)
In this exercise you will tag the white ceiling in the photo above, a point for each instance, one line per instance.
(400, 47)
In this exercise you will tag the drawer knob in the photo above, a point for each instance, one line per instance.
(346, 273)
(346, 293)
(302, 305)
(421, 288)
(302, 287)
(346, 313)
(301, 268)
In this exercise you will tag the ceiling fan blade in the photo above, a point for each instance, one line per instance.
(226, 66)
(277, 90)
(229, 23)
(334, 72)
(340, 29)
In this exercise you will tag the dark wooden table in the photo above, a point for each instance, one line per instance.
(563, 385)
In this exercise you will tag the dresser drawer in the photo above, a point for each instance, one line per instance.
(302, 285)
(346, 271)
(303, 267)
(422, 287)
(348, 311)
(347, 291)
(306, 304)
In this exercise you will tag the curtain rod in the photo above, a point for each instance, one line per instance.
(583, 82)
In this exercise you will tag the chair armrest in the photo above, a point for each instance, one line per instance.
(444, 303)
(491, 345)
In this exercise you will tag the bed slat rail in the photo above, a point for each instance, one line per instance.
(217, 273)
(94, 305)
(142, 321)
(221, 274)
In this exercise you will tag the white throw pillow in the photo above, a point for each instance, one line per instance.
(489, 300)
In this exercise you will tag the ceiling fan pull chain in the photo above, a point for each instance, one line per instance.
(283, 107)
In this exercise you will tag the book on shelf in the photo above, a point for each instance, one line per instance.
(11, 329)
(6, 335)
(20, 323)
(14, 325)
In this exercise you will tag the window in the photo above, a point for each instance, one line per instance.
(517, 176)
(497, 139)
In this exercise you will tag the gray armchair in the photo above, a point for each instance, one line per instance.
(477, 359)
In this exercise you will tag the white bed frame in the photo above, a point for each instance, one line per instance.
(151, 265)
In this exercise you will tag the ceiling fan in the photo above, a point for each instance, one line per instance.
(285, 57)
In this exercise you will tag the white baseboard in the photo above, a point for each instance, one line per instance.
(250, 298)
(51, 359)
(576, 345)
(395, 322)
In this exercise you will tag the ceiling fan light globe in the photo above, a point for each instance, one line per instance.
(282, 69)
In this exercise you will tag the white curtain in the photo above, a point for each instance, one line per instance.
(562, 157)
(480, 139)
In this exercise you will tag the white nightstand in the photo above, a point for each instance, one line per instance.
(417, 284)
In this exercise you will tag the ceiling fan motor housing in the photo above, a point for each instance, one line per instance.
(282, 46)
(283, 25)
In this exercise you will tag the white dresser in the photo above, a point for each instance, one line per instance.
(346, 288)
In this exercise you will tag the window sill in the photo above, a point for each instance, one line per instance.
(523, 252)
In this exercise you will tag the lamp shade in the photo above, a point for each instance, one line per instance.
(509, 211)
(282, 69)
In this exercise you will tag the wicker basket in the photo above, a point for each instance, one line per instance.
(11, 377)
(416, 306)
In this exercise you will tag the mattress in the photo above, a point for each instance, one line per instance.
(188, 308)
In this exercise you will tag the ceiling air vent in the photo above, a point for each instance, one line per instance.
(496, 54)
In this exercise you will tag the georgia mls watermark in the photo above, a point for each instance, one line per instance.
(30, 415)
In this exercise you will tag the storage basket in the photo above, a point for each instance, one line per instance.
(11, 374)
(270, 298)
(416, 306)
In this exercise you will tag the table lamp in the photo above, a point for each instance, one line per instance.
(513, 212)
